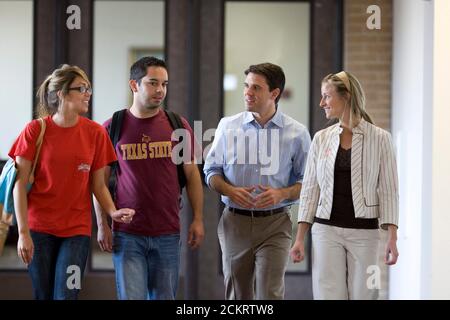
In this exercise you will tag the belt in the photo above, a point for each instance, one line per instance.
(258, 213)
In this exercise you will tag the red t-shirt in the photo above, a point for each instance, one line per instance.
(59, 202)
(147, 179)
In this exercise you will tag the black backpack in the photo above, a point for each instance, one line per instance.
(114, 134)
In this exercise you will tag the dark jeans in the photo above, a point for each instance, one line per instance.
(57, 266)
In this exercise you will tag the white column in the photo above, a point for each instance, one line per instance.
(409, 131)
(440, 264)
(420, 125)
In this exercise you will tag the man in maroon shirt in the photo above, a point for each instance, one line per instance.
(146, 252)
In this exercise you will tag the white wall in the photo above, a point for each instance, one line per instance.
(420, 96)
(440, 265)
(269, 32)
(120, 26)
(408, 129)
(16, 65)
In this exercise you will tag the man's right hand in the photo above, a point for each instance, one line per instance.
(242, 196)
(124, 215)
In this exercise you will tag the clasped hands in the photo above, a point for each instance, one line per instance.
(265, 197)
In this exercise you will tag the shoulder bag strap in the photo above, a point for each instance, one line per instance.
(38, 146)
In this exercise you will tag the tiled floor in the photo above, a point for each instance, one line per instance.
(9, 260)
(102, 260)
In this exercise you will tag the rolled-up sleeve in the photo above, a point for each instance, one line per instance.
(309, 196)
(300, 156)
(215, 159)
(388, 184)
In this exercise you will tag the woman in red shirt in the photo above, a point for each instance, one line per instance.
(54, 219)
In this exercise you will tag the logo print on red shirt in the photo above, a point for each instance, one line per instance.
(84, 167)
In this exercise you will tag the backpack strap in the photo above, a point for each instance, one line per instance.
(176, 123)
(116, 126)
(114, 134)
(175, 119)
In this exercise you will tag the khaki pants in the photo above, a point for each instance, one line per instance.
(255, 253)
(342, 260)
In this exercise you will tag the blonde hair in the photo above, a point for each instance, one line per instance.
(346, 83)
(59, 80)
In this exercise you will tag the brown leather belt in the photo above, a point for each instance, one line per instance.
(258, 213)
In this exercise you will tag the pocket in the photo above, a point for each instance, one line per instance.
(82, 168)
(117, 240)
(318, 228)
(220, 224)
(371, 200)
(287, 224)
(375, 234)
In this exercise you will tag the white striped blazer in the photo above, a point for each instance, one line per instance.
(373, 175)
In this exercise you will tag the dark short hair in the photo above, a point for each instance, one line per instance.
(274, 76)
(139, 69)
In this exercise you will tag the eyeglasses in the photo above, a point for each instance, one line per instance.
(82, 89)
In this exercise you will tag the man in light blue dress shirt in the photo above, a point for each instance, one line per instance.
(257, 162)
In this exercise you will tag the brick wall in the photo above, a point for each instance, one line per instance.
(368, 55)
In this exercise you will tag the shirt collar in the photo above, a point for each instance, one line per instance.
(277, 118)
(248, 117)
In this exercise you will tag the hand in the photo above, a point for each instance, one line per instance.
(242, 196)
(104, 238)
(196, 234)
(297, 252)
(391, 252)
(269, 197)
(25, 248)
(123, 215)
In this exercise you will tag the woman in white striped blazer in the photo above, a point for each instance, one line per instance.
(349, 189)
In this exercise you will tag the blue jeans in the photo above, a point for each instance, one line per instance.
(146, 267)
(58, 265)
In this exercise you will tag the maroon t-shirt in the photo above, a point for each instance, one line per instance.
(147, 179)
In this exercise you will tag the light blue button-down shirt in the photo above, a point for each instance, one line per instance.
(246, 154)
